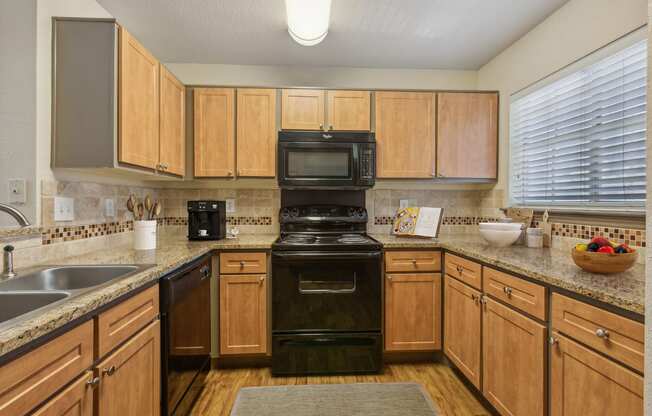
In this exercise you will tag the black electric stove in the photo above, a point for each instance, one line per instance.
(326, 292)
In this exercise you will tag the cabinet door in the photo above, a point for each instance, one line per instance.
(243, 314)
(256, 139)
(513, 361)
(130, 378)
(462, 328)
(172, 151)
(405, 134)
(349, 110)
(138, 107)
(412, 312)
(75, 400)
(583, 382)
(214, 132)
(302, 110)
(467, 135)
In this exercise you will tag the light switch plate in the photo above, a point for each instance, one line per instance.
(230, 205)
(109, 208)
(17, 191)
(64, 209)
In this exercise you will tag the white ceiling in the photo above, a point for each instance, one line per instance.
(441, 34)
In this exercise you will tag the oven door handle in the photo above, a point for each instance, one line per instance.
(316, 255)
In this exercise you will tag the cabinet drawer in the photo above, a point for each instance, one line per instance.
(521, 294)
(243, 263)
(464, 270)
(412, 261)
(76, 399)
(125, 319)
(611, 334)
(27, 381)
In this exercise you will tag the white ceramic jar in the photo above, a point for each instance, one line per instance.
(534, 237)
(145, 235)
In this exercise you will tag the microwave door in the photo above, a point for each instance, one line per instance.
(317, 164)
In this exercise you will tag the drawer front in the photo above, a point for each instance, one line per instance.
(243, 263)
(521, 294)
(27, 381)
(616, 336)
(75, 400)
(464, 270)
(412, 261)
(125, 319)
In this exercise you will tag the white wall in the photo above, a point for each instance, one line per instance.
(18, 101)
(572, 32)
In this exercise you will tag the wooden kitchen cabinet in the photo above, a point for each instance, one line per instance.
(74, 400)
(462, 328)
(412, 311)
(302, 109)
(243, 314)
(405, 134)
(348, 110)
(513, 361)
(130, 377)
(172, 149)
(467, 135)
(214, 132)
(586, 383)
(138, 90)
(256, 132)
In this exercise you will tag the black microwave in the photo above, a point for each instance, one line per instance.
(326, 160)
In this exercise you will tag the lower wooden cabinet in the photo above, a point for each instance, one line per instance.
(75, 400)
(462, 328)
(513, 361)
(412, 311)
(586, 383)
(243, 314)
(130, 377)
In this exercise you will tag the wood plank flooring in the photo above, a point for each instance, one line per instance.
(447, 392)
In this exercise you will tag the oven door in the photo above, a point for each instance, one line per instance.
(326, 291)
(317, 164)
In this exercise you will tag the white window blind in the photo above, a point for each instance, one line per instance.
(580, 141)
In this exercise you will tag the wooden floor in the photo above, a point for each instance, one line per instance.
(447, 392)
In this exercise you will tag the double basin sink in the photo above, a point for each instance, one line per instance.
(47, 286)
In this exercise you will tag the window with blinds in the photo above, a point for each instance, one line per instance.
(580, 140)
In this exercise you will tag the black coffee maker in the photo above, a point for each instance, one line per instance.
(206, 220)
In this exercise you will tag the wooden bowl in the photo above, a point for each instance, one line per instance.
(604, 263)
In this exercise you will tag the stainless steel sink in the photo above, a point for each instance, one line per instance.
(14, 304)
(67, 277)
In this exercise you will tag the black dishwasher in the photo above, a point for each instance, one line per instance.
(185, 335)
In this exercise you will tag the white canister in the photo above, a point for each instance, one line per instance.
(145, 235)
(534, 237)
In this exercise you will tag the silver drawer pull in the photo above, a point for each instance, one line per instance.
(414, 261)
(242, 264)
(109, 371)
(602, 333)
(507, 290)
(93, 382)
(553, 341)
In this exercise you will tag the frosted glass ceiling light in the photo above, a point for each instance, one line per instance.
(308, 20)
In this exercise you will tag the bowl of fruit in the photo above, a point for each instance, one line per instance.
(603, 256)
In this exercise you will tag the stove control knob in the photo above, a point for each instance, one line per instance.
(285, 213)
(351, 212)
(294, 212)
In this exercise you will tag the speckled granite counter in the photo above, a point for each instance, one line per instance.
(552, 266)
(173, 251)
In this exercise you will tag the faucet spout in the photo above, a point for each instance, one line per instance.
(18, 216)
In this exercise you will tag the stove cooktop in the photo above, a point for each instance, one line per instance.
(343, 241)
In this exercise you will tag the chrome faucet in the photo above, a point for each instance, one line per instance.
(18, 216)
(8, 264)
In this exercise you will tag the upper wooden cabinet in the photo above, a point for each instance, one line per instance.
(138, 142)
(405, 134)
(214, 132)
(348, 110)
(172, 149)
(302, 109)
(256, 132)
(467, 135)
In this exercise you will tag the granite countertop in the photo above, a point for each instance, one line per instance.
(552, 266)
(172, 252)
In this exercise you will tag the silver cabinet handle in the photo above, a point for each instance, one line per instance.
(261, 280)
(389, 278)
(93, 382)
(602, 333)
(229, 173)
(330, 127)
(321, 127)
(507, 290)
(553, 341)
(483, 300)
(460, 269)
(475, 298)
(109, 371)
(242, 264)
(414, 262)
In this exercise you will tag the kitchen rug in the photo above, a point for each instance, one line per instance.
(363, 399)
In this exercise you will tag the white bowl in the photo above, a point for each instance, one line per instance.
(501, 226)
(500, 238)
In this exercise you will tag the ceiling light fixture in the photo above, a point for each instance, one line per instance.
(308, 20)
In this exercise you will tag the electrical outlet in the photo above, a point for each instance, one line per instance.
(17, 193)
(230, 205)
(109, 208)
(64, 209)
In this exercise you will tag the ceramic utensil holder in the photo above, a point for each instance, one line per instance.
(145, 235)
